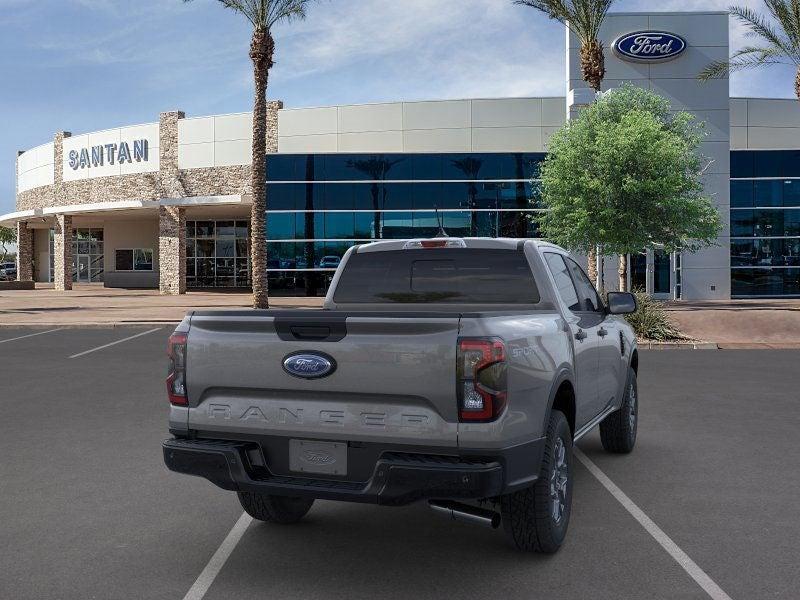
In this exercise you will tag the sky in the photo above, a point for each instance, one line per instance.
(86, 65)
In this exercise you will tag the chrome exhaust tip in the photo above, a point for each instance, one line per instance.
(466, 513)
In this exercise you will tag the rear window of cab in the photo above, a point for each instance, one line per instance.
(437, 275)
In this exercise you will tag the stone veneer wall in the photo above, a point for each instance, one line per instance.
(169, 182)
(62, 250)
(24, 252)
(172, 250)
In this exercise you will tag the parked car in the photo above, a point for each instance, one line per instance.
(8, 271)
(454, 371)
(329, 262)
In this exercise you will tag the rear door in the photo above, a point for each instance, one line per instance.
(584, 322)
(392, 376)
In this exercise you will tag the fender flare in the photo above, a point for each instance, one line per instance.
(563, 373)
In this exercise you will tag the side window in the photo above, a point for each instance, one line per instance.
(564, 285)
(589, 298)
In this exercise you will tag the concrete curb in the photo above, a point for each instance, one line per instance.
(648, 345)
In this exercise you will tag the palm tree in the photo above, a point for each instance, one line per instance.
(780, 41)
(584, 19)
(263, 15)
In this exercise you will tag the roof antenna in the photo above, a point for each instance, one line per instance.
(442, 233)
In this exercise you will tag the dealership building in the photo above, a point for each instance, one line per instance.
(166, 204)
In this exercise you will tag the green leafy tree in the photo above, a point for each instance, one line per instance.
(263, 15)
(7, 237)
(778, 40)
(626, 175)
(584, 19)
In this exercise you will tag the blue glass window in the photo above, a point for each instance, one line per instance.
(466, 166)
(768, 163)
(454, 195)
(765, 282)
(742, 164)
(365, 226)
(768, 193)
(791, 192)
(339, 196)
(367, 196)
(339, 225)
(280, 226)
(281, 167)
(791, 222)
(282, 196)
(402, 167)
(760, 253)
(426, 166)
(741, 194)
(427, 195)
(309, 225)
(397, 196)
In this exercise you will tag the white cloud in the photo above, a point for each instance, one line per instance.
(431, 49)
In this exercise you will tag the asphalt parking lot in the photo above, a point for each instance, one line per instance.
(87, 509)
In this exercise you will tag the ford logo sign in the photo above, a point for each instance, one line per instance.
(309, 365)
(649, 46)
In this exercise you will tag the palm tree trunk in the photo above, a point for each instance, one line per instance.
(593, 67)
(593, 70)
(623, 273)
(261, 51)
(797, 84)
(591, 267)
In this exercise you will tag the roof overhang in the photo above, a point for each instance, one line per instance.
(13, 218)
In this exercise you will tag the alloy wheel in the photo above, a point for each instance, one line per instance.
(559, 478)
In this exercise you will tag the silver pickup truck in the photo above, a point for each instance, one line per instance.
(455, 371)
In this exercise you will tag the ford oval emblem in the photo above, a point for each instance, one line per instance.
(649, 46)
(309, 365)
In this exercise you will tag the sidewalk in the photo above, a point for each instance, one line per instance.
(740, 323)
(93, 305)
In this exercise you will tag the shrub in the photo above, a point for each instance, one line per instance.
(651, 321)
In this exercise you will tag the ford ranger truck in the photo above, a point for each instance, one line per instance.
(459, 372)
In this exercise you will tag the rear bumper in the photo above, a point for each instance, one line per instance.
(399, 478)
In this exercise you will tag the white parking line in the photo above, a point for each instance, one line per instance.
(214, 566)
(687, 564)
(22, 337)
(114, 343)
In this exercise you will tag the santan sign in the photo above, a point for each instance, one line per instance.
(649, 46)
(97, 156)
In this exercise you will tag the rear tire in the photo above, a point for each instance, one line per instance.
(274, 509)
(618, 430)
(536, 518)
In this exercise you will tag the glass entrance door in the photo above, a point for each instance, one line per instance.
(83, 269)
(652, 271)
(87, 255)
(638, 271)
(662, 272)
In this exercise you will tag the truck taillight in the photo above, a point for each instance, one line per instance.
(176, 379)
(481, 373)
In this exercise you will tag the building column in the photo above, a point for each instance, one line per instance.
(24, 252)
(171, 250)
(62, 253)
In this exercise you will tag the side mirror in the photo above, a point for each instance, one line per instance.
(621, 303)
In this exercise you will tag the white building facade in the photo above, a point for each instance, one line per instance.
(167, 204)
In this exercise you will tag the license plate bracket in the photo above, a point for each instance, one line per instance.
(314, 457)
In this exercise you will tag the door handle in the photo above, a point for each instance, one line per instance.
(602, 332)
(581, 335)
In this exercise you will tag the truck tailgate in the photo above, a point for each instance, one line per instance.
(394, 377)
